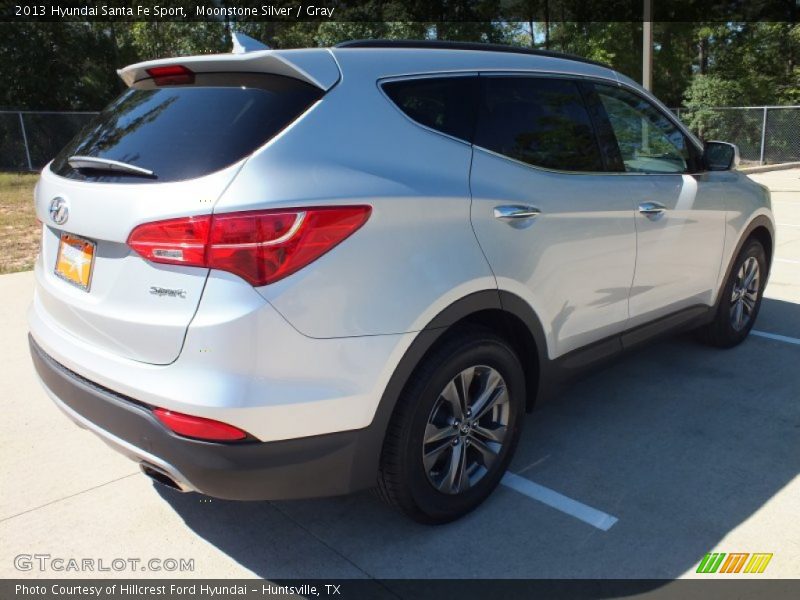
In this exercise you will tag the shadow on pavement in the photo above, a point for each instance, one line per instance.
(681, 442)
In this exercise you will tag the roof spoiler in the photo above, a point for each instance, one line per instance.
(312, 65)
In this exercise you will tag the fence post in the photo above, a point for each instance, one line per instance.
(25, 140)
(763, 135)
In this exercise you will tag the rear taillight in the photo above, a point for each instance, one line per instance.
(259, 246)
(171, 75)
(175, 241)
(198, 427)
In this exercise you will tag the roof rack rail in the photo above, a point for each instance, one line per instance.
(479, 46)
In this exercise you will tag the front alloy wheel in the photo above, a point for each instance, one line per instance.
(744, 296)
(740, 299)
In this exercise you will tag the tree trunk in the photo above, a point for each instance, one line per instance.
(702, 57)
(547, 24)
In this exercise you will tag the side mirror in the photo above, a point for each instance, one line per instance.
(721, 156)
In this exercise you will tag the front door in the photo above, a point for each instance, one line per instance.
(680, 224)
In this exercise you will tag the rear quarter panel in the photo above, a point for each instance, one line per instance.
(416, 254)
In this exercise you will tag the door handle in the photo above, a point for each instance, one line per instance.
(516, 212)
(651, 209)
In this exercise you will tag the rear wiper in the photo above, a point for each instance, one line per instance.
(106, 164)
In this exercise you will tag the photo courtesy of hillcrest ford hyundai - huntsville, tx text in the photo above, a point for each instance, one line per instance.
(279, 274)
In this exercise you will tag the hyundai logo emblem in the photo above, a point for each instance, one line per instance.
(59, 211)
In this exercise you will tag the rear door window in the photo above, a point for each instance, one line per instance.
(446, 104)
(537, 120)
(187, 131)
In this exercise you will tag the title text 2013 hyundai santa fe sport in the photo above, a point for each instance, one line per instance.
(294, 273)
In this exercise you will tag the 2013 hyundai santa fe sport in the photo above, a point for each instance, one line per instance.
(284, 274)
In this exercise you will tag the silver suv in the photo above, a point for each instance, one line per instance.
(283, 274)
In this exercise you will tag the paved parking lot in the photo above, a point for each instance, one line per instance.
(637, 471)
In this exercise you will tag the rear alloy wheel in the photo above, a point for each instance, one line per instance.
(454, 429)
(741, 298)
(466, 429)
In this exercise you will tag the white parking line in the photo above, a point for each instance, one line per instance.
(788, 260)
(553, 499)
(788, 225)
(775, 336)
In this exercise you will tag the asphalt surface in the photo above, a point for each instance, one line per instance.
(637, 471)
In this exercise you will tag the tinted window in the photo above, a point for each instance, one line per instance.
(648, 141)
(446, 104)
(182, 132)
(539, 121)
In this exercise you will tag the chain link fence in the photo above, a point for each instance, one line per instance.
(764, 134)
(30, 139)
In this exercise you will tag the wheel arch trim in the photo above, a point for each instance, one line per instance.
(761, 221)
(367, 458)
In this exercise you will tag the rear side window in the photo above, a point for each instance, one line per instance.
(186, 131)
(446, 104)
(536, 120)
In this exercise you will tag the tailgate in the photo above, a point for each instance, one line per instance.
(133, 308)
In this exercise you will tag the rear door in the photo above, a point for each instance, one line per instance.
(552, 222)
(193, 134)
(680, 218)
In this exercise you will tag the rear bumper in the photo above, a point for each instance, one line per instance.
(242, 364)
(322, 465)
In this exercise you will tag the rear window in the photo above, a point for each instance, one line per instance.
(446, 104)
(187, 131)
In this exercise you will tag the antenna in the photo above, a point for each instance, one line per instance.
(243, 43)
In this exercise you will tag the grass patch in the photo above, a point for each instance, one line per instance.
(19, 231)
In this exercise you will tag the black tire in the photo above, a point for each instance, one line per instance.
(404, 481)
(722, 332)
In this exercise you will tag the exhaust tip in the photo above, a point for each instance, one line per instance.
(160, 476)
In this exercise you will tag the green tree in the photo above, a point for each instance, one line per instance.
(153, 39)
(331, 33)
(673, 58)
(704, 93)
(60, 66)
(615, 44)
(761, 57)
(56, 66)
